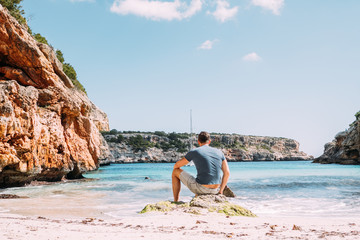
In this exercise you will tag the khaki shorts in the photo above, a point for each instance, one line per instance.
(196, 187)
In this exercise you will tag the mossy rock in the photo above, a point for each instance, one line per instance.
(163, 206)
(230, 209)
(201, 205)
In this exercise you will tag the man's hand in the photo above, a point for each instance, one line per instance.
(226, 172)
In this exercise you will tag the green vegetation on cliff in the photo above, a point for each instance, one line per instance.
(15, 9)
(70, 71)
(41, 39)
(138, 142)
(168, 141)
(357, 115)
(235, 145)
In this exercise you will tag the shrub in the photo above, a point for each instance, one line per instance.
(179, 145)
(120, 138)
(160, 133)
(165, 146)
(41, 39)
(60, 56)
(215, 144)
(15, 9)
(104, 133)
(131, 132)
(138, 143)
(173, 136)
(113, 132)
(71, 73)
(357, 115)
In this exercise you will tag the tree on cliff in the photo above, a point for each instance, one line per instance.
(38, 37)
(15, 10)
(60, 56)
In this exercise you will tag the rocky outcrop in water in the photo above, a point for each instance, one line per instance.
(48, 129)
(172, 147)
(345, 148)
(257, 148)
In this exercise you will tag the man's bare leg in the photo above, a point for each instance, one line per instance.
(176, 184)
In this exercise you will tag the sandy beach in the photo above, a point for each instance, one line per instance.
(261, 96)
(175, 225)
(73, 211)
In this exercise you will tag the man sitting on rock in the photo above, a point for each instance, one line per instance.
(209, 163)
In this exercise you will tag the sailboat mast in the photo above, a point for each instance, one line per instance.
(191, 130)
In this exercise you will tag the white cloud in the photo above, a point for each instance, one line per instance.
(157, 10)
(223, 11)
(273, 5)
(208, 44)
(252, 57)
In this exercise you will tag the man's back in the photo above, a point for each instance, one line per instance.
(208, 161)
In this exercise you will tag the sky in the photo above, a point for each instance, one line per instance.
(283, 68)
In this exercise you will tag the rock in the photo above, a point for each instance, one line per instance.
(19, 50)
(344, 149)
(57, 65)
(106, 156)
(10, 196)
(207, 201)
(228, 192)
(202, 204)
(164, 206)
(18, 75)
(48, 129)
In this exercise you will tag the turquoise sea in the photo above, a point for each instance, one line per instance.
(267, 188)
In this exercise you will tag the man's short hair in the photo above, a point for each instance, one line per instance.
(204, 137)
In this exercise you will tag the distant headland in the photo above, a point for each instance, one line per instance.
(158, 146)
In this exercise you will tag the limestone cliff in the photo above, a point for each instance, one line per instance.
(48, 129)
(172, 147)
(344, 149)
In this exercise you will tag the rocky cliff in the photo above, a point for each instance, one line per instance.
(344, 149)
(128, 147)
(48, 129)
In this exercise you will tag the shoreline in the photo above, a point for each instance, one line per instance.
(240, 161)
(85, 179)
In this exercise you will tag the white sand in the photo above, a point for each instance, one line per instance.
(176, 225)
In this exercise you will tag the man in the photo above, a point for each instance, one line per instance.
(209, 163)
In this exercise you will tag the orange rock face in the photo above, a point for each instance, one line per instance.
(48, 129)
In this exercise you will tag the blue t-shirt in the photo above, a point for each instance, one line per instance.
(208, 162)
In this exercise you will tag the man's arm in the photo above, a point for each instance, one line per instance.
(181, 163)
(226, 174)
